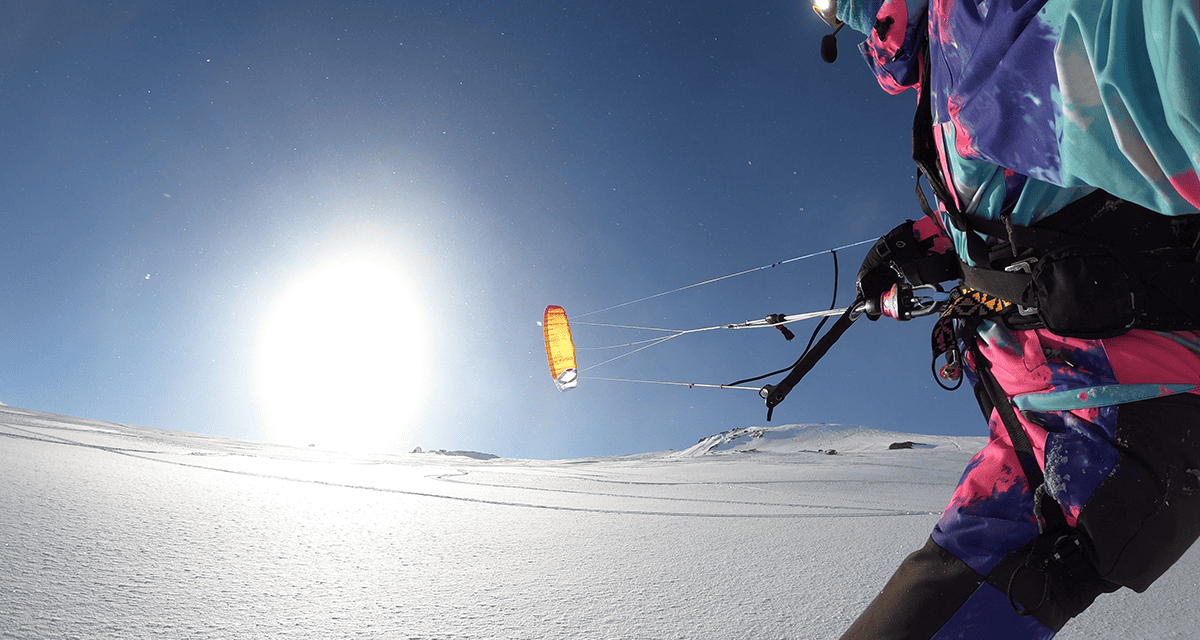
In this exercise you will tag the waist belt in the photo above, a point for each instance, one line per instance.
(1096, 269)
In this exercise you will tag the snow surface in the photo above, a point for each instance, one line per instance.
(113, 531)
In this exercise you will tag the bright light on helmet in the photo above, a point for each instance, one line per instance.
(827, 9)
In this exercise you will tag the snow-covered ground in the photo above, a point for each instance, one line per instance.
(112, 531)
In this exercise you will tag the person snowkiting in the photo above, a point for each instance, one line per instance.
(1061, 140)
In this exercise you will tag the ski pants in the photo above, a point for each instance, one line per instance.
(1126, 478)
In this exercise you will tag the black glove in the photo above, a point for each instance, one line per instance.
(881, 269)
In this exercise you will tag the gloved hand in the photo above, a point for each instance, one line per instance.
(872, 285)
(878, 273)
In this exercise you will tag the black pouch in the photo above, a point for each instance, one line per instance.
(1084, 291)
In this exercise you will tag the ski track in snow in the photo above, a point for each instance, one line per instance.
(112, 531)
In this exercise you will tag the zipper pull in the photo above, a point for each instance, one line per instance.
(1058, 354)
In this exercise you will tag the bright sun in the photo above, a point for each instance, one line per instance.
(342, 359)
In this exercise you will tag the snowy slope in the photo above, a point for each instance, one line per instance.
(129, 532)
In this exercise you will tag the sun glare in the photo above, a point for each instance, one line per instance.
(342, 359)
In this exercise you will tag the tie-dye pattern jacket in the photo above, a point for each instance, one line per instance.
(1035, 105)
(1075, 93)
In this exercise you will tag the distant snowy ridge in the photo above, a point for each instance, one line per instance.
(464, 454)
(817, 438)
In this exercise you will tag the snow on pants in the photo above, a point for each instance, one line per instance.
(1126, 478)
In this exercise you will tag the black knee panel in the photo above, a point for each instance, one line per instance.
(1146, 514)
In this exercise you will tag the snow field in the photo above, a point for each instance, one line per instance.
(111, 531)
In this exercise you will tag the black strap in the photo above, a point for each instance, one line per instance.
(810, 359)
(1016, 433)
(1049, 514)
(925, 154)
(1015, 287)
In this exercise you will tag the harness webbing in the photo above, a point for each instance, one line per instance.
(1004, 407)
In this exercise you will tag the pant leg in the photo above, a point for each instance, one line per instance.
(935, 595)
(986, 559)
(943, 590)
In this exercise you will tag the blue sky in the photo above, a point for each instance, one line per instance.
(357, 211)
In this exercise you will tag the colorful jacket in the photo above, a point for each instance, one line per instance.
(1073, 93)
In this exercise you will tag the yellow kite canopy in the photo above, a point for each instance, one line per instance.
(560, 350)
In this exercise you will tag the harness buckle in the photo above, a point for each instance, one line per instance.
(1023, 266)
